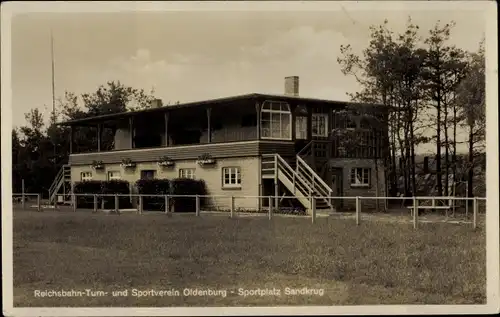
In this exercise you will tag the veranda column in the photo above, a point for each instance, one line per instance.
(257, 110)
(209, 130)
(132, 132)
(99, 137)
(71, 137)
(166, 117)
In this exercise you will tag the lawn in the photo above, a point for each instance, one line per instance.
(373, 263)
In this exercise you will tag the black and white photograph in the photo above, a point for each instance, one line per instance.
(249, 157)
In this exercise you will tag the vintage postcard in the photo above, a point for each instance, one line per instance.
(249, 158)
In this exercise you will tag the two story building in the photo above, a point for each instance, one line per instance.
(255, 145)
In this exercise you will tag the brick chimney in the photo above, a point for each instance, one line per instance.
(156, 103)
(292, 86)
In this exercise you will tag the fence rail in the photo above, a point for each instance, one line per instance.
(263, 205)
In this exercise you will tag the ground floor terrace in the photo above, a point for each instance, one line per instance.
(231, 169)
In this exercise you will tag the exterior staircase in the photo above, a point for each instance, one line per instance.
(61, 186)
(301, 180)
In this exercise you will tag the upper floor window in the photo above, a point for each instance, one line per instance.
(86, 176)
(301, 128)
(320, 124)
(186, 173)
(276, 120)
(364, 123)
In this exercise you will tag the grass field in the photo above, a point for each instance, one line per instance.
(373, 263)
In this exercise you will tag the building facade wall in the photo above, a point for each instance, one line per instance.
(348, 190)
(212, 175)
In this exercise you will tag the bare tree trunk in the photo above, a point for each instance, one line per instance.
(446, 149)
(412, 156)
(454, 151)
(439, 173)
(470, 184)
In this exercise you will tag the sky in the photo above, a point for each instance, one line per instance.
(192, 55)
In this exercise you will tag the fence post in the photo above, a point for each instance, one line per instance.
(95, 203)
(197, 205)
(117, 208)
(358, 211)
(166, 204)
(313, 207)
(73, 198)
(474, 210)
(415, 212)
(232, 207)
(270, 207)
(23, 204)
(38, 203)
(140, 204)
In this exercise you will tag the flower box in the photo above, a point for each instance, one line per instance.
(127, 163)
(165, 161)
(97, 165)
(205, 159)
(206, 162)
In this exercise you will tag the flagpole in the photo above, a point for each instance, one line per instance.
(53, 95)
(53, 80)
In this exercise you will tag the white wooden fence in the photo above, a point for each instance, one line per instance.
(418, 203)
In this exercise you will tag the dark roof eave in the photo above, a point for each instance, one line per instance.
(92, 121)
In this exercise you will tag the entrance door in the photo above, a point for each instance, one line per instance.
(148, 174)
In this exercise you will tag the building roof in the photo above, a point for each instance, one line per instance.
(251, 96)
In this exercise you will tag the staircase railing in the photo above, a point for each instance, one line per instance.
(56, 184)
(279, 164)
(306, 150)
(315, 181)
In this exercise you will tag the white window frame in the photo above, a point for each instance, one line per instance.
(119, 176)
(268, 115)
(188, 173)
(301, 128)
(85, 176)
(234, 179)
(360, 177)
(316, 117)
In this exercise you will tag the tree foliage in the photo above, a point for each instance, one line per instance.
(38, 152)
(426, 83)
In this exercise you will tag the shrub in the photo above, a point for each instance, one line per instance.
(87, 187)
(192, 187)
(116, 187)
(153, 187)
(102, 187)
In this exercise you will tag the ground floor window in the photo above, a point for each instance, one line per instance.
(186, 173)
(360, 177)
(113, 175)
(86, 176)
(148, 174)
(231, 177)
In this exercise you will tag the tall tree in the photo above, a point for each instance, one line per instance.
(390, 72)
(444, 64)
(472, 109)
(33, 145)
